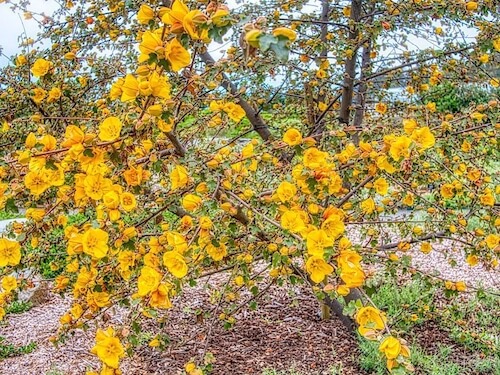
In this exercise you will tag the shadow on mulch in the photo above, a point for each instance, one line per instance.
(284, 332)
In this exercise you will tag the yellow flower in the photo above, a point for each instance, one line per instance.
(292, 221)
(175, 16)
(73, 135)
(425, 247)
(391, 347)
(447, 191)
(252, 37)
(487, 199)
(128, 201)
(333, 226)
(95, 243)
(191, 202)
(423, 137)
(108, 348)
(314, 158)
(286, 191)
(110, 129)
(381, 108)
(318, 268)
(135, 176)
(159, 298)
(175, 264)
(220, 17)
(496, 44)
(217, 253)
(151, 43)
(191, 22)
(148, 281)
(179, 177)
(36, 214)
(234, 111)
(145, 14)
(54, 94)
(471, 6)
(41, 67)
(129, 88)
(111, 200)
(351, 272)
(37, 182)
(286, 32)
(21, 60)
(10, 252)
(368, 206)
(177, 241)
(39, 95)
(9, 283)
(381, 186)
(400, 147)
(317, 241)
(461, 287)
(492, 241)
(472, 260)
(177, 55)
(292, 137)
(95, 186)
(370, 320)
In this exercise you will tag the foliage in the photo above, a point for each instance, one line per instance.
(9, 350)
(125, 120)
(453, 98)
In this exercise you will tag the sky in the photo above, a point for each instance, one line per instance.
(13, 24)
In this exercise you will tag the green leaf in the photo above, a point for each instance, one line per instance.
(266, 40)
(10, 206)
(281, 50)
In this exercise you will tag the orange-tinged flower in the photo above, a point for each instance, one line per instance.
(381, 108)
(159, 298)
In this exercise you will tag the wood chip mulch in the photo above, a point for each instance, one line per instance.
(284, 332)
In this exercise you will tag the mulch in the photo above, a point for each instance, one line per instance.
(284, 332)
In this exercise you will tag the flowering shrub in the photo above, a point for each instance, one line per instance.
(124, 136)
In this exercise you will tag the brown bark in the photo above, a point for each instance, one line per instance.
(257, 122)
(350, 64)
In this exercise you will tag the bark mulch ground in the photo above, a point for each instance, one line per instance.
(284, 332)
